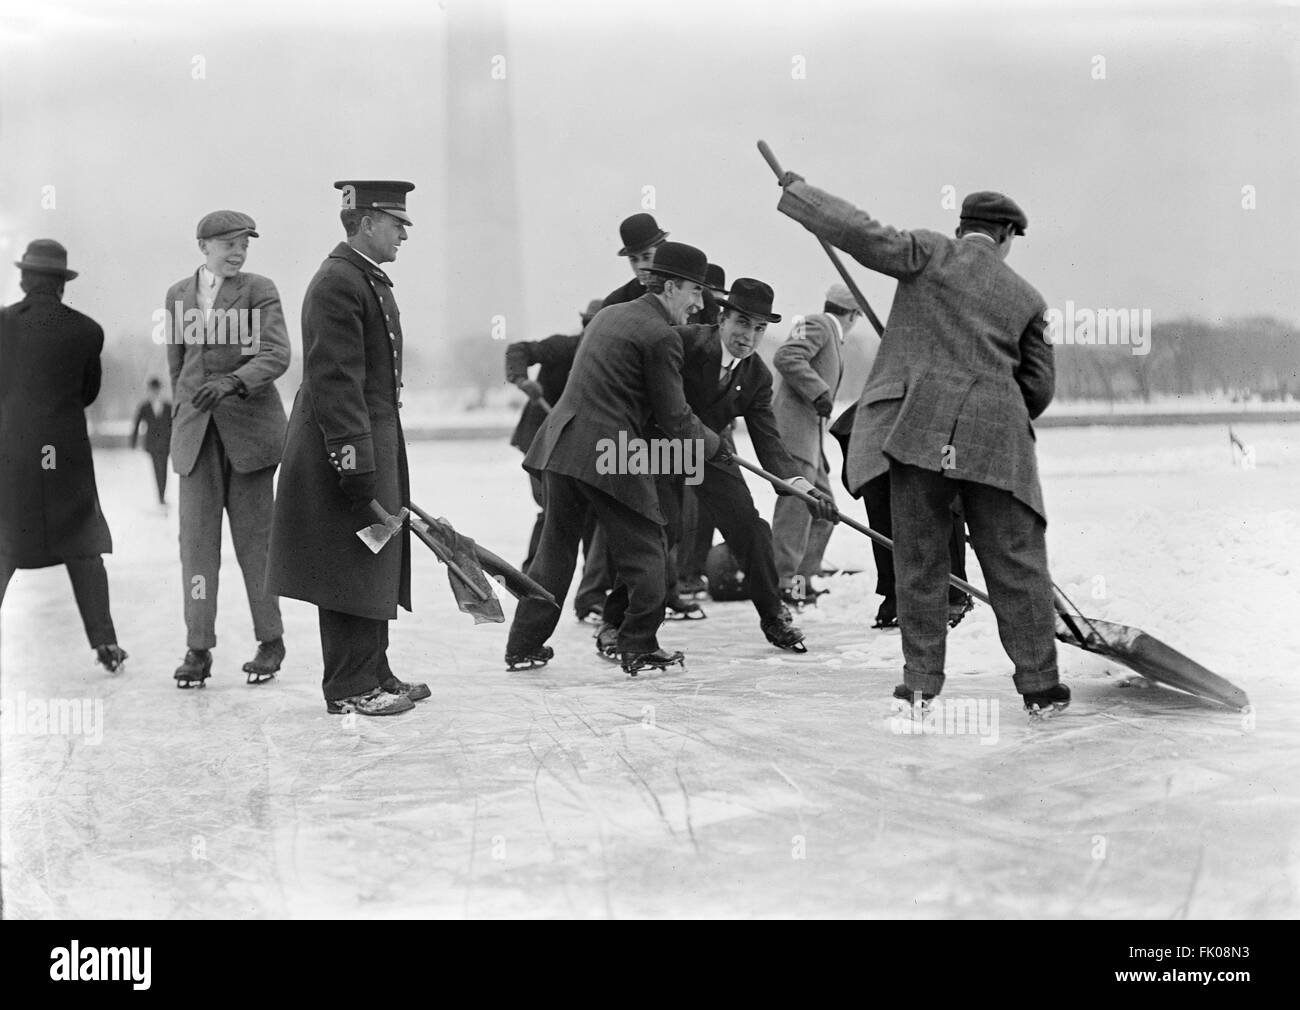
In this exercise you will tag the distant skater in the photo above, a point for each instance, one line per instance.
(155, 414)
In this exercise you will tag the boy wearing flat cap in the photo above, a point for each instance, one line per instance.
(226, 346)
(964, 367)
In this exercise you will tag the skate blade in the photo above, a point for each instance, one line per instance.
(677, 615)
(186, 682)
(633, 671)
(1037, 714)
(259, 676)
(526, 664)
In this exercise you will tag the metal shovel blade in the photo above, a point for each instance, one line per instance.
(377, 535)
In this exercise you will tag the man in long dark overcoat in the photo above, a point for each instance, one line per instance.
(49, 504)
(963, 369)
(344, 449)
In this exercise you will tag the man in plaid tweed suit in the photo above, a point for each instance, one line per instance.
(963, 368)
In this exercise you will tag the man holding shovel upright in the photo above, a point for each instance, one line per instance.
(344, 449)
(963, 367)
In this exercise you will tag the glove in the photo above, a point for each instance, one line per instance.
(358, 487)
(723, 456)
(824, 405)
(789, 177)
(531, 389)
(822, 507)
(214, 391)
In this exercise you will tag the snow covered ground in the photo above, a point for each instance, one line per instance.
(753, 783)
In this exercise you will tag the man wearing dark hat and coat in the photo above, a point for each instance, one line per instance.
(226, 346)
(345, 448)
(641, 235)
(723, 378)
(627, 373)
(49, 503)
(964, 367)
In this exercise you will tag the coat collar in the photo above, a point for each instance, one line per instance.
(345, 252)
(650, 298)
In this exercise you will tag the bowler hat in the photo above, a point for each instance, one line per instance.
(388, 195)
(226, 224)
(676, 259)
(589, 313)
(639, 232)
(45, 256)
(994, 208)
(754, 298)
(716, 278)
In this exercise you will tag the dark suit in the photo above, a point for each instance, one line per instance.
(345, 418)
(226, 456)
(157, 439)
(627, 372)
(49, 503)
(963, 366)
(723, 494)
(555, 356)
(628, 292)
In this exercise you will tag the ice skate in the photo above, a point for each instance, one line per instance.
(684, 610)
(529, 660)
(592, 615)
(917, 702)
(887, 615)
(263, 666)
(782, 632)
(416, 692)
(376, 702)
(1046, 704)
(195, 668)
(110, 657)
(607, 642)
(660, 659)
(956, 611)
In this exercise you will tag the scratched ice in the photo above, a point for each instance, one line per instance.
(753, 783)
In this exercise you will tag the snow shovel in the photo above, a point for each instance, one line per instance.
(1133, 647)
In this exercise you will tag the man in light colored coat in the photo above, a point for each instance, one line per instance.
(963, 368)
(226, 346)
(810, 365)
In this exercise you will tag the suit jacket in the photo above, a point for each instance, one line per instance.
(345, 418)
(748, 394)
(964, 365)
(49, 375)
(555, 355)
(628, 292)
(810, 362)
(251, 426)
(627, 373)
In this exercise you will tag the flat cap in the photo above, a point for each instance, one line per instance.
(994, 208)
(841, 296)
(226, 224)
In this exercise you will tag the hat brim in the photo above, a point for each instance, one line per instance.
(40, 268)
(237, 233)
(771, 317)
(675, 275)
(625, 251)
(1016, 226)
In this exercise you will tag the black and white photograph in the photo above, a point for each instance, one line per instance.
(559, 460)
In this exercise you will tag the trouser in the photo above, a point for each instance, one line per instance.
(89, 588)
(595, 583)
(355, 651)
(697, 536)
(160, 474)
(799, 539)
(725, 501)
(247, 497)
(669, 488)
(635, 544)
(1010, 541)
(875, 495)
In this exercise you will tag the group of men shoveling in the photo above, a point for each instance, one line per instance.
(944, 418)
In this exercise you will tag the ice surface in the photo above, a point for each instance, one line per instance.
(753, 783)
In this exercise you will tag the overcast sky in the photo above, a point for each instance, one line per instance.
(1133, 184)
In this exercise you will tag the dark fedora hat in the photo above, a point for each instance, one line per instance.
(677, 259)
(994, 208)
(716, 278)
(754, 298)
(639, 232)
(45, 256)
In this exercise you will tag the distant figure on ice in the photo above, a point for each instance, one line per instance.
(226, 346)
(963, 368)
(344, 449)
(155, 414)
(49, 504)
(810, 365)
